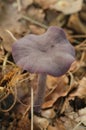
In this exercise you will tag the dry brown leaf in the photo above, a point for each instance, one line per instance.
(68, 6)
(50, 127)
(58, 125)
(74, 65)
(11, 20)
(8, 77)
(77, 65)
(58, 88)
(83, 16)
(48, 104)
(2, 52)
(42, 123)
(65, 6)
(45, 3)
(26, 3)
(81, 89)
(76, 24)
(54, 81)
(18, 29)
(49, 114)
(66, 108)
(23, 124)
(36, 13)
(82, 116)
(59, 20)
(7, 40)
(36, 30)
(84, 6)
(76, 118)
(9, 15)
(71, 124)
(14, 78)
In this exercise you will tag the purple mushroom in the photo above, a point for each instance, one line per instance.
(49, 53)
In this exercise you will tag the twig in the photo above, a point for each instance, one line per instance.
(21, 102)
(19, 5)
(5, 61)
(3, 94)
(82, 44)
(77, 36)
(25, 79)
(31, 108)
(35, 22)
(83, 56)
(77, 125)
(71, 78)
(26, 111)
(2, 58)
(15, 98)
(82, 49)
(11, 34)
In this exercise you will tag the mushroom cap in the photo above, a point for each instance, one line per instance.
(49, 53)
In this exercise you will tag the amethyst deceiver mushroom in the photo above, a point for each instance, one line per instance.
(49, 53)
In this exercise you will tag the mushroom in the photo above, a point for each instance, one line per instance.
(49, 53)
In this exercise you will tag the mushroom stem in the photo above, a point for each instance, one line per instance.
(40, 93)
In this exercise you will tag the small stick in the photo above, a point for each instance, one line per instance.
(31, 108)
(35, 22)
(77, 36)
(83, 43)
(19, 5)
(5, 61)
(71, 78)
(75, 128)
(21, 102)
(2, 58)
(15, 98)
(27, 109)
(82, 49)
(82, 56)
(10, 33)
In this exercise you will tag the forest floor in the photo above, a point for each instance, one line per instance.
(64, 107)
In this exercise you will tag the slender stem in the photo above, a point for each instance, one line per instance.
(31, 108)
(35, 22)
(19, 3)
(40, 93)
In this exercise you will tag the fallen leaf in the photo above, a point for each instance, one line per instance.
(36, 30)
(23, 124)
(7, 40)
(45, 3)
(82, 116)
(84, 6)
(54, 81)
(57, 125)
(71, 124)
(36, 13)
(83, 16)
(2, 52)
(68, 6)
(76, 24)
(49, 113)
(26, 3)
(50, 127)
(81, 89)
(58, 88)
(41, 122)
